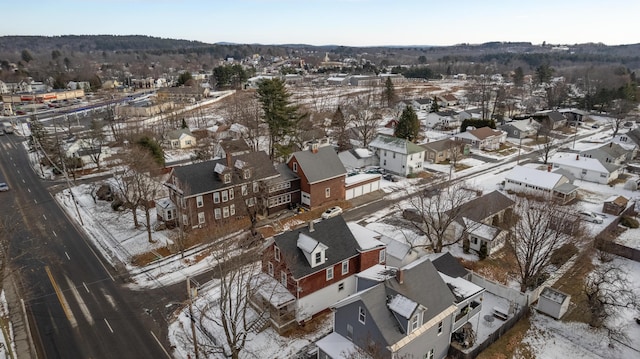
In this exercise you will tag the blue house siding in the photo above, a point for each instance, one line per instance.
(363, 334)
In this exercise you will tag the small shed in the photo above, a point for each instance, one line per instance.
(615, 205)
(553, 302)
(166, 211)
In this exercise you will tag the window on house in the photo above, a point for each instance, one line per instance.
(394, 155)
(231, 194)
(429, 354)
(382, 256)
(250, 201)
(244, 190)
(217, 213)
(385, 153)
(327, 192)
(216, 197)
(474, 240)
(384, 163)
(247, 174)
(283, 278)
(439, 328)
(200, 217)
(603, 175)
(345, 267)
(225, 196)
(276, 253)
(227, 177)
(340, 287)
(183, 203)
(199, 202)
(270, 268)
(350, 332)
(295, 167)
(185, 219)
(318, 257)
(232, 209)
(362, 315)
(169, 214)
(584, 172)
(415, 322)
(330, 273)
(225, 212)
(256, 187)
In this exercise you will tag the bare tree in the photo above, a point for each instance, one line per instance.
(137, 186)
(243, 108)
(539, 228)
(230, 309)
(546, 149)
(365, 116)
(93, 141)
(621, 109)
(438, 209)
(608, 289)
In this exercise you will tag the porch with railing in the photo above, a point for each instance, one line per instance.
(465, 314)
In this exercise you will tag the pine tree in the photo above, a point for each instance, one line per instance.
(279, 114)
(434, 105)
(339, 127)
(408, 125)
(389, 94)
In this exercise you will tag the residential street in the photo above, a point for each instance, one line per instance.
(77, 308)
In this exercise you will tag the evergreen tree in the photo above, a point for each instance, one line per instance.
(389, 94)
(434, 105)
(184, 78)
(279, 114)
(408, 125)
(184, 124)
(518, 77)
(26, 56)
(339, 126)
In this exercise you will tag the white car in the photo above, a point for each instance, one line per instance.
(3, 187)
(332, 212)
(590, 217)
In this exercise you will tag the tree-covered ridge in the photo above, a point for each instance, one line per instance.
(94, 43)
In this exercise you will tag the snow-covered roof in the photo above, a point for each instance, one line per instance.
(541, 179)
(480, 229)
(553, 295)
(363, 152)
(306, 243)
(403, 306)
(219, 168)
(378, 273)
(395, 248)
(272, 290)
(366, 238)
(165, 203)
(461, 287)
(360, 177)
(337, 346)
(395, 144)
(577, 161)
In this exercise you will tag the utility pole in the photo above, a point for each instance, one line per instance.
(193, 321)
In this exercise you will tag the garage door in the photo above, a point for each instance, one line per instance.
(349, 194)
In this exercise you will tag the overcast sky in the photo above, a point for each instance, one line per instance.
(335, 22)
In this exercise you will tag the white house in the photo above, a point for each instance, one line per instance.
(358, 158)
(585, 168)
(181, 138)
(543, 183)
(398, 155)
(483, 138)
(442, 120)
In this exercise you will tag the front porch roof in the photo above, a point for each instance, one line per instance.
(272, 290)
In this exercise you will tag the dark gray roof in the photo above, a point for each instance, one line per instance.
(556, 116)
(235, 147)
(175, 134)
(332, 232)
(485, 206)
(634, 135)
(566, 188)
(320, 166)
(422, 284)
(449, 265)
(286, 174)
(441, 145)
(610, 150)
(199, 178)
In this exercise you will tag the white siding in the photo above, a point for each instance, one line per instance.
(324, 298)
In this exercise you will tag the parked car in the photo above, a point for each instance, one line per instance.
(332, 212)
(390, 177)
(3, 187)
(590, 217)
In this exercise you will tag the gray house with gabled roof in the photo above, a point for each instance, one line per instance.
(409, 314)
(398, 155)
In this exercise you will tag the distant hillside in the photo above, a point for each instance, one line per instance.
(86, 43)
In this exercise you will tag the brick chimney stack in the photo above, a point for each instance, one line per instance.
(400, 276)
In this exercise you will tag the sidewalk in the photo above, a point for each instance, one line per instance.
(22, 340)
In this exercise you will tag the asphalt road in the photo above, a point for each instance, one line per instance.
(77, 308)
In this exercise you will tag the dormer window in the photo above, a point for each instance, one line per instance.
(313, 250)
(318, 258)
(227, 178)
(246, 174)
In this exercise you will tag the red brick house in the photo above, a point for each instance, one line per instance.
(232, 189)
(322, 175)
(310, 268)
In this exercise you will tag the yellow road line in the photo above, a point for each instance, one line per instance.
(61, 299)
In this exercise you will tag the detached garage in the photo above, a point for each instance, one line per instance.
(360, 184)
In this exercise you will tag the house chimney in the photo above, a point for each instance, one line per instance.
(549, 168)
(314, 146)
(228, 156)
(311, 229)
(577, 157)
(400, 276)
(610, 144)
